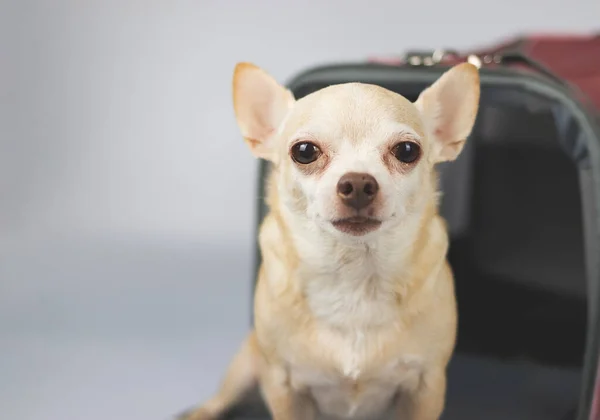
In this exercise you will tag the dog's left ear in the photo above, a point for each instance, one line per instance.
(449, 108)
(261, 104)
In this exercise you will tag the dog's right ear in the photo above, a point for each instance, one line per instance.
(449, 108)
(260, 104)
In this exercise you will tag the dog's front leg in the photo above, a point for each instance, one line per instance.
(283, 402)
(241, 376)
(427, 401)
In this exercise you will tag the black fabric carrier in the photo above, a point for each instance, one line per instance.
(522, 204)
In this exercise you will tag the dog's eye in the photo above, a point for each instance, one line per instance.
(305, 152)
(407, 151)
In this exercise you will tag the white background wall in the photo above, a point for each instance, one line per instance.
(120, 110)
(116, 123)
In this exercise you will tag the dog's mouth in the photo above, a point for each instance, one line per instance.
(356, 226)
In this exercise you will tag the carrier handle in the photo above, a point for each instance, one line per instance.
(518, 57)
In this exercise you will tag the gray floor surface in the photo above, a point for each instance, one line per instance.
(140, 329)
(116, 329)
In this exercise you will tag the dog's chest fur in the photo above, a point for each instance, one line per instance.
(357, 386)
(351, 289)
(359, 333)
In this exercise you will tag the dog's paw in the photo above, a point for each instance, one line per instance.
(196, 414)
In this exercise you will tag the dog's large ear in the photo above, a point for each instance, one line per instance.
(260, 105)
(449, 108)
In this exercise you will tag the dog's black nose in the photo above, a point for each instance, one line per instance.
(357, 190)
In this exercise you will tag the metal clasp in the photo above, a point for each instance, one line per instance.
(417, 58)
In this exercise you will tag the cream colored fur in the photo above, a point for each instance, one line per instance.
(350, 326)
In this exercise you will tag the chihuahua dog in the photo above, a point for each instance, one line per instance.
(355, 311)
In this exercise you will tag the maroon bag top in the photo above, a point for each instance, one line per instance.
(575, 59)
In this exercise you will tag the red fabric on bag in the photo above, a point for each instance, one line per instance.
(573, 58)
(576, 59)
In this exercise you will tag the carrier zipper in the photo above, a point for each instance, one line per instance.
(515, 56)
(436, 57)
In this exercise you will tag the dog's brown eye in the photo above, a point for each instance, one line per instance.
(305, 152)
(407, 151)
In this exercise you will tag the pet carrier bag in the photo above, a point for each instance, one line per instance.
(522, 204)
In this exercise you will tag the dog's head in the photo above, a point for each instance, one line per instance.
(354, 158)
